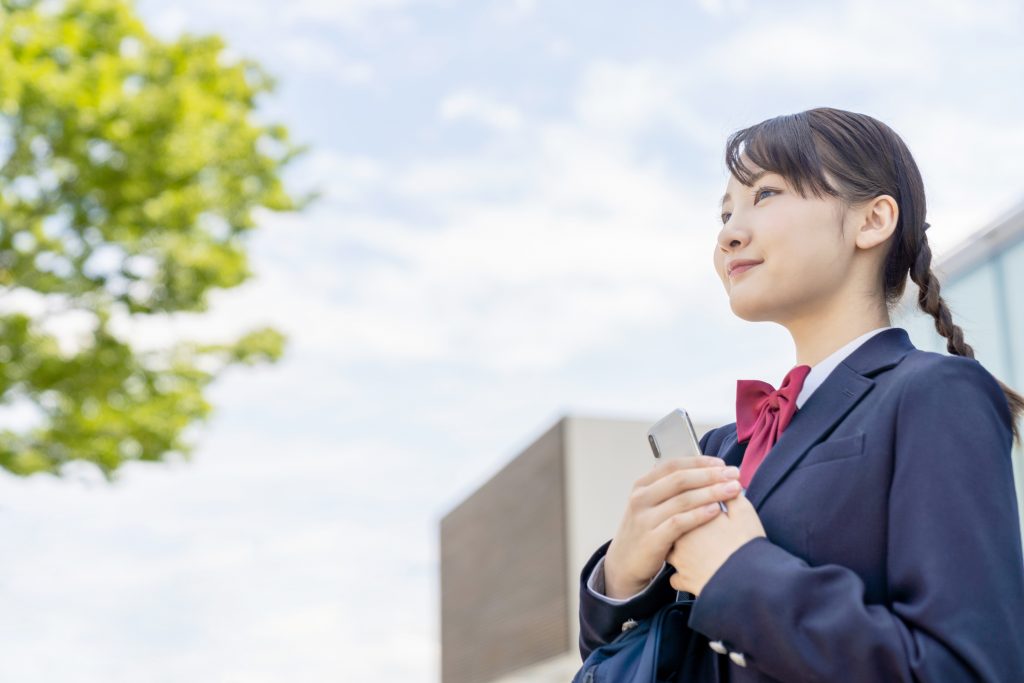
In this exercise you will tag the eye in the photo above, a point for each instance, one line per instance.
(757, 194)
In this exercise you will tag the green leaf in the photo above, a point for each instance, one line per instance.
(130, 169)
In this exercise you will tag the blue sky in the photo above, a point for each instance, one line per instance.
(518, 219)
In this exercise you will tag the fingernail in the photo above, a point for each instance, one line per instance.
(731, 472)
(730, 487)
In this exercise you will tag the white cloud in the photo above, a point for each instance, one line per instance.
(455, 179)
(965, 158)
(466, 105)
(723, 7)
(873, 44)
(315, 56)
(512, 11)
(236, 562)
(591, 244)
(295, 15)
(530, 255)
(629, 98)
(814, 50)
(343, 13)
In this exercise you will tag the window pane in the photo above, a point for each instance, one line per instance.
(918, 324)
(973, 301)
(1013, 271)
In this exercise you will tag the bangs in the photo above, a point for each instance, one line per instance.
(784, 145)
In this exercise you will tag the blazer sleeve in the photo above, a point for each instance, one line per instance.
(955, 568)
(601, 621)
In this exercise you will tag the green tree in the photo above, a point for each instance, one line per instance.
(130, 168)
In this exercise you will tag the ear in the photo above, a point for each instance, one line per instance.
(876, 221)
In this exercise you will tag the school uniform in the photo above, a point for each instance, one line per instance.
(893, 548)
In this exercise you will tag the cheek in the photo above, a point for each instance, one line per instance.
(806, 270)
(718, 260)
(793, 269)
(720, 272)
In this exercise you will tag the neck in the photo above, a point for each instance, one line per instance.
(816, 338)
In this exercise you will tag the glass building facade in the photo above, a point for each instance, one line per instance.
(982, 282)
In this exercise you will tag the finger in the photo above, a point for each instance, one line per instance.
(667, 532)
(667, 465)
(675, 483)
(692, 499)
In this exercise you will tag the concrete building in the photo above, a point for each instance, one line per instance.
(512, 552)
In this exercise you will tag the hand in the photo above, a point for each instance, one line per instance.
(697, 554)
(671, 499)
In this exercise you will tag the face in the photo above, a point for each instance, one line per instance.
(803, 258)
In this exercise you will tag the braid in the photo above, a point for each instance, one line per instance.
(930, 302)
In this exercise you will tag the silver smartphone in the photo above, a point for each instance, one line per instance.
(673, 436)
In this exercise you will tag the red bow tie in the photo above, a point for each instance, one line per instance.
(762, 412)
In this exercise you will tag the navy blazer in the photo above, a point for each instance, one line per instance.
(893, 549)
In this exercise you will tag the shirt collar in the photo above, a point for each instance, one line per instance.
(820, 372)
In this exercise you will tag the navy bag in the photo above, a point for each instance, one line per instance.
(661, 649)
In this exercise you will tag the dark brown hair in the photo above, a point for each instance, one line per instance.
(867, 159)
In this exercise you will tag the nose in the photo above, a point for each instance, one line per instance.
(732, 236)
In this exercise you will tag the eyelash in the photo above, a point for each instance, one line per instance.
(757, 193)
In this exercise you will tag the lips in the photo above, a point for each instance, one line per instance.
(740, 269)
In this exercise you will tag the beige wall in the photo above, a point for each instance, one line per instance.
(602, 460)
(503, 566)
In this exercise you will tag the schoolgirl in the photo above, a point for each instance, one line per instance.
(872, 530)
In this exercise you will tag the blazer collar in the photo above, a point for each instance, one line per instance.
(843, 389)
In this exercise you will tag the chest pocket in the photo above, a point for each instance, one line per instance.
(843, 448)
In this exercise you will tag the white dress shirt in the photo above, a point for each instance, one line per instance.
(815, 378)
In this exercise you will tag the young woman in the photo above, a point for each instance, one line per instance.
(878, 539)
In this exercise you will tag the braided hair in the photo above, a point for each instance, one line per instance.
(867, 159)
(931, 302)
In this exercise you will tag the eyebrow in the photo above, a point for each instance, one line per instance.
(757, 176)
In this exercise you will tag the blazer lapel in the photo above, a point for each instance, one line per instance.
(732, 450)
(831, 402)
